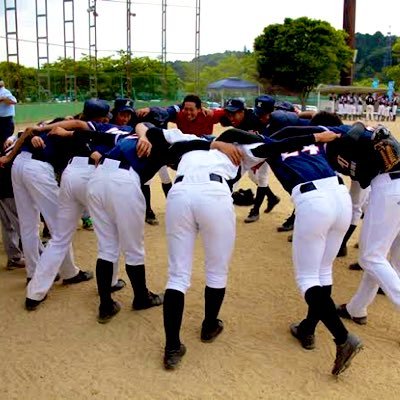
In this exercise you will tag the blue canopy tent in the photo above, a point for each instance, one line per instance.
(234, 86)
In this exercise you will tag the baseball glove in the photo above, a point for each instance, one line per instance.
(387, 147)
(243, 197)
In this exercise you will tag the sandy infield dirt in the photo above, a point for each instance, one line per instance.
(61, 352)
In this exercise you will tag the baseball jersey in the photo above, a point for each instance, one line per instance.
(162, 152)
(250, 122)
(280, 119)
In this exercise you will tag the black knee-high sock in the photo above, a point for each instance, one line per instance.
(213, 299)
(260, 196)
(174, 302)
(137, 276)
(323, 307)
(290, 219)
(348, 234)
(166, 187)
(308, 325)
(147, 196)
(104, 272)
(270, 194)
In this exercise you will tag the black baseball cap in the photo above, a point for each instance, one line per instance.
(95, 108)
(234, 105)
(284, 106)
(264, 105)
(124, 104)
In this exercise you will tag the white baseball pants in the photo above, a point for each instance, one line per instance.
(260, 176)
(198, 205)
(322, 219)
(36, 191)
(359, 200)
(72, 201)
(117, 205)
(380, 228)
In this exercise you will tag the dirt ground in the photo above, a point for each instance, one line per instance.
(61, 352)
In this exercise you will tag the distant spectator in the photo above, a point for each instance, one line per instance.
(7, 113)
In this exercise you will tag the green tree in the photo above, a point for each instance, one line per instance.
(299, 54)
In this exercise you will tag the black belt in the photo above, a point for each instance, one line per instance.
(38, 157)
(213, 177)
(394, 175)
(90, 161)
(309, 186)
(122, 164)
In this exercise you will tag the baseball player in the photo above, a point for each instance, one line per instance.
(372, 158)
(36, 191)
(323, 212)
(9, 221)
(370, 103)
(240, 117)
(119, 223)
(72, 200)
(201, 180)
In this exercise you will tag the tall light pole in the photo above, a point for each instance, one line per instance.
(349, 25)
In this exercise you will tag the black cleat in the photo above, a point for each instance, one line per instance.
(345, 353)
(271, 204)
(152, 300)
(306, 341)
(118, 286)
(151, 218)
(173, 357)
(355, 267)
(288, 225)
(210, 333)
(106, 313)
(343, 313)
(252, 217)
(31, 305)
(81, 276)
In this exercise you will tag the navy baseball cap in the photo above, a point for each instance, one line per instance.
(96, 108)
(284, 106)
(124, 104)
(234, 105)
(264, 105)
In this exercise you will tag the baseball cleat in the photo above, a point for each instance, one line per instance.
(271, 204)
(343, 313)
(355, 267)
(210, 333)
(288, 225)
(152, 300)
(32, 305)
(15, 263)
(345, 353)
(306, 341)
(173, 357)
(151, 218)
(252, 217)
(106, 313)
(81, 276)
(118, 286)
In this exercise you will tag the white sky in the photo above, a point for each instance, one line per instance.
(225, 24)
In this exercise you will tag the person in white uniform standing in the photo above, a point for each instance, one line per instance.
(200, 202)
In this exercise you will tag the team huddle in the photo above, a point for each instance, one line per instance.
(105, 162)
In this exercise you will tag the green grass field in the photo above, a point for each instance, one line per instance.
(35, 112)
